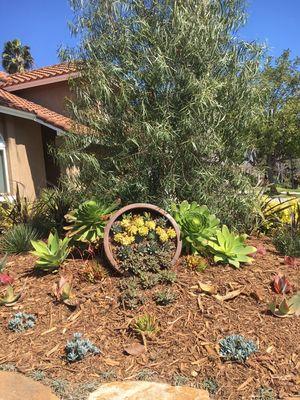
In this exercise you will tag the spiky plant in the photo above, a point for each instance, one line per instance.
(18, 239)
(16, 57)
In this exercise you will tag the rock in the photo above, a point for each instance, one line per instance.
(14, 386)
(131, 390)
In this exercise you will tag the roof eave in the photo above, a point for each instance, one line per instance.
(39, 82)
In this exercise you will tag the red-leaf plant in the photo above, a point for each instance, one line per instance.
(281, 284)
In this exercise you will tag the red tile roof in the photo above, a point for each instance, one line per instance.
(50, 117)
(37, 74)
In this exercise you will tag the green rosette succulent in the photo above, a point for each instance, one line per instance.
(196, 223)
(229, 248)
(88, 221)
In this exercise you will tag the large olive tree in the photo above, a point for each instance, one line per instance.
(167, 90)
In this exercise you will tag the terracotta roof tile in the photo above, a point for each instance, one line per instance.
(37, 74)
(50, 117)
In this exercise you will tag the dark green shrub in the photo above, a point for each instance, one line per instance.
(287, 241)
(18, 239)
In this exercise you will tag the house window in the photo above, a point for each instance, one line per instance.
(3, 167)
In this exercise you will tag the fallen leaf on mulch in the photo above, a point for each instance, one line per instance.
(134, 349)
(207, 288)
(110, 362)
(229, 295)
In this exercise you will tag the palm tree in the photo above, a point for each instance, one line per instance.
(16, 57)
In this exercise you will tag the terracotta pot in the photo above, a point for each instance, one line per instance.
(139, 207)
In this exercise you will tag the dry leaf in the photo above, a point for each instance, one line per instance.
(229, 295)
(110, 362)
(207, 288)
(135, 349)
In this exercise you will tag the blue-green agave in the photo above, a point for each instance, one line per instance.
(87, 222)
(196, 223)
(229, 248)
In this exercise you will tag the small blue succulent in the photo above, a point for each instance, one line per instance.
(78, 348)
(236, 348)
(21, 322)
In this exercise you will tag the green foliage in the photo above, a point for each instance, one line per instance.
(16, 57)
(211, 385)
(167, 91)
(287, 241)
(21, 322)
(229, 248)
(87, 222)
(78, 348)
(196, 224)
(165, 297)
(265, 393)
(18, 239)
(131, 299)
(236, 348)
(3, 261)
(10, 297)
(51, 254)
(146, 325)
(277, 129)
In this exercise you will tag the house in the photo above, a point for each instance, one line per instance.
(32, 118)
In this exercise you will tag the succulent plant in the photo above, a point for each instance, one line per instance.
(51, 254)
(63, 291)
(79, 348)
(165, 297)
(281, 284)
(10, 297)
(236, 348)
(229, 248)
(5, 279)
(287, 307)
(87, 222)
(21, 322)
(196, 224)
(146, 325)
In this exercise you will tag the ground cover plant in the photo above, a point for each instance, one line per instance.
(143, 243)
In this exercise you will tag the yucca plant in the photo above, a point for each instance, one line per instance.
(51, 254)
(18, 239)
(87, 222)
(229, 248)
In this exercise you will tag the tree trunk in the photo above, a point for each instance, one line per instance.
(271, 168)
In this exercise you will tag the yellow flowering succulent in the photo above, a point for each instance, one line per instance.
(151, 225)
(143, 231)
(171, 233)
(132, 229)
(159, 230)
(127, 240)
(118, 237)
(138, 221)
(163, 237)
(125, 223)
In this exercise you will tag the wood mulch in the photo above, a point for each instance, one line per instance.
(187, 343)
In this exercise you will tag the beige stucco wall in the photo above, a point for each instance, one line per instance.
(25, 155)
(50, 96)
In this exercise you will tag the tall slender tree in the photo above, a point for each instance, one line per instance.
(16, 57)
(168, 92)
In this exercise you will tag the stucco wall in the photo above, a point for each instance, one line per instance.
(50, 96)
(25, 155)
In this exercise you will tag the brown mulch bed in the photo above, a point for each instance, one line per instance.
(190, 328)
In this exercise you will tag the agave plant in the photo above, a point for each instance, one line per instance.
(197, 224)
(87, 222)
(51, 254)
(63, 291)
(229, 248)
(10, 297)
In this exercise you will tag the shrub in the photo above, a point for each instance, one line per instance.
(236, 348)
(52, 254)
(21, 322)
(287, 241)
(196, 224)
(18, 239)
(79, 348)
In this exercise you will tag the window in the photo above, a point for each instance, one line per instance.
(3, 167)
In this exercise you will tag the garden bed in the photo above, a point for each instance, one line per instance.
(184, 351)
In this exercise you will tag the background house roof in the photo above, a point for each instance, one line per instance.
(52, 118)
(37, 75)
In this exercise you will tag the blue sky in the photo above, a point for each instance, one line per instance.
(42, 24)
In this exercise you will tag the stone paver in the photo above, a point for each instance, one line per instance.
(14, 386)
(132, 390)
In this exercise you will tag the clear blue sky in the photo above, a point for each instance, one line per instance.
(42, 24)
